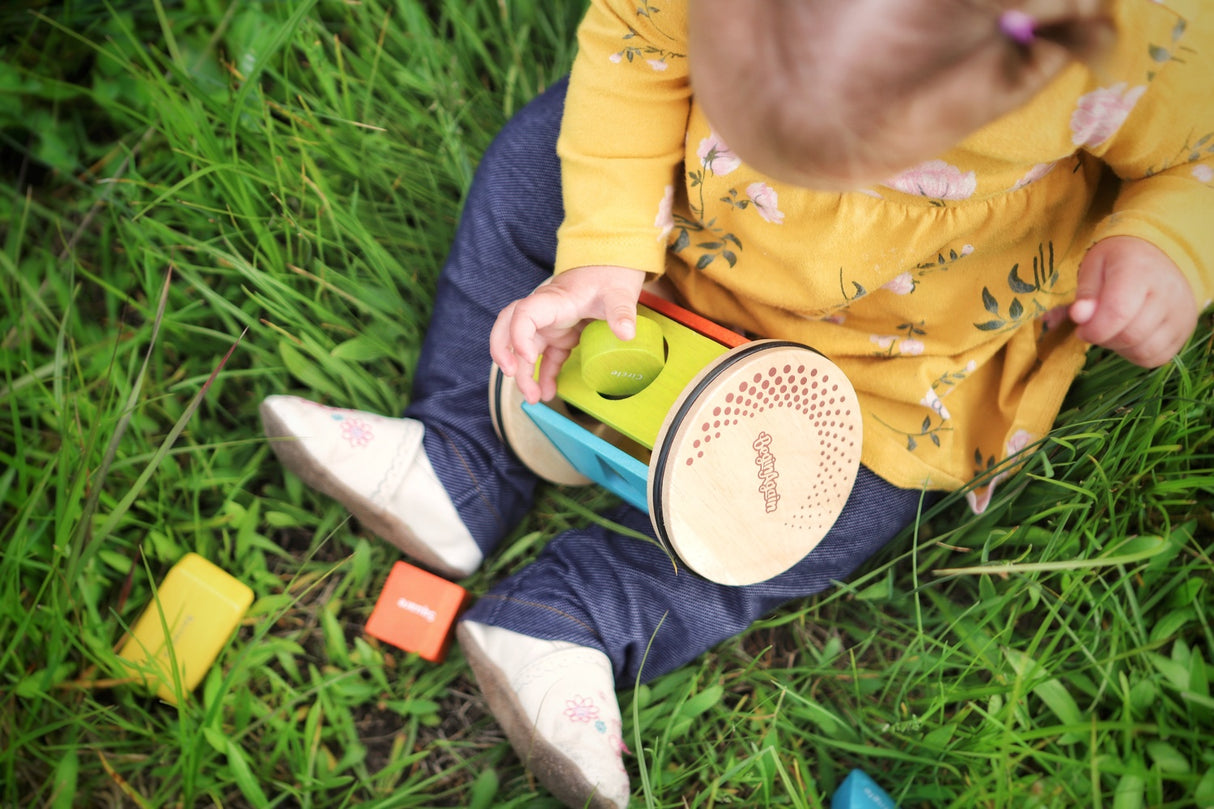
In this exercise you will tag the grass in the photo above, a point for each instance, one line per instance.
(205, 202)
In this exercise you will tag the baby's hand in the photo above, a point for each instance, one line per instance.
(549, 321)
(1134, 300)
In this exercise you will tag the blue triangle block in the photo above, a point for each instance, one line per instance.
(858, 791)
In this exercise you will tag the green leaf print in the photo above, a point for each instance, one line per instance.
(1045, 277)
(988, 302)
(928, 429)
(1015, 311)
(1017, 285)
(981, 464)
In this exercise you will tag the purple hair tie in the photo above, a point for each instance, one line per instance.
(1018, 26)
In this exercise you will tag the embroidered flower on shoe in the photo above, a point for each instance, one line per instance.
(581, 709)
(356, 432)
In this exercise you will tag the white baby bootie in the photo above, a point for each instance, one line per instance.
(377, 468)
(556, 701)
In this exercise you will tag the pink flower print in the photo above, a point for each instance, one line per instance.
(903, 284)
(581, 709)
(936, 179)
(910, 347)
(766, 202)
(1019, 440)
(357, 432)
(932, 402)
(1203, 173)
(1100, 113)
(665, 218)
(1055, 317)
(716, 156)
(657, 64)
(981, 498)
(1033, 175)
(616, 57)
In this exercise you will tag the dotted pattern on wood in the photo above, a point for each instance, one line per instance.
(827, 411)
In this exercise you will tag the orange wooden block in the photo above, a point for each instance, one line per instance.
(416, 611)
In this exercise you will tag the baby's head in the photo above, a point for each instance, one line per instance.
(838, 94)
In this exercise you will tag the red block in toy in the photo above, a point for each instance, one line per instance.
(416, 610)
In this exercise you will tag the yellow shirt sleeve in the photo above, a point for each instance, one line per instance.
(1164, 151)
(622, 136)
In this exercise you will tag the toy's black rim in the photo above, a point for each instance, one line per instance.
(658, 466)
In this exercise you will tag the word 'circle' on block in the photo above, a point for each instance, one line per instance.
(416, 610)
(194, 612)
(615, 367)
(755, 462)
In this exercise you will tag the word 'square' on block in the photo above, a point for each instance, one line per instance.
(416, 611)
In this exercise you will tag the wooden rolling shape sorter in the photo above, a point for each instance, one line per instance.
(742, 452)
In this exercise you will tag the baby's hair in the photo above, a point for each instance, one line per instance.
(831, 95)
(1086, 36)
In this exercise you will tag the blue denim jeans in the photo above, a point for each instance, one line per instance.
(591, 586)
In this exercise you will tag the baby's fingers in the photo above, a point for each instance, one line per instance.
(1159, 348)
(1132, 299)
(550, 366)
(500, 347)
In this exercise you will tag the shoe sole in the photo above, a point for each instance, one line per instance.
(295, 458)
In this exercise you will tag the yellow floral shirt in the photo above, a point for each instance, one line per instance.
(939, 291)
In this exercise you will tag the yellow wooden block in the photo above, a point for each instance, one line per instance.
(200, 606)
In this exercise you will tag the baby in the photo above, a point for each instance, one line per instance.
(953, 218)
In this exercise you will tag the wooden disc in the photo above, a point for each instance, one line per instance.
(755, 462)
(519, 433)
